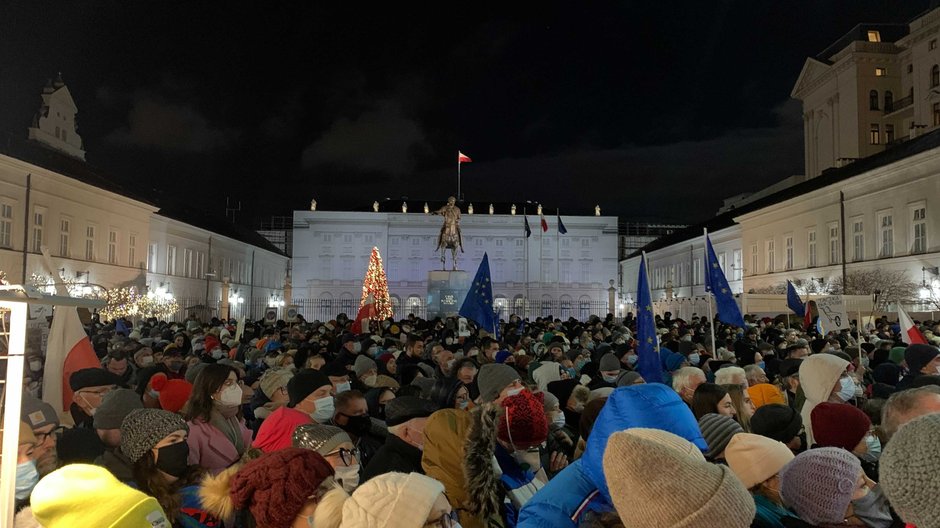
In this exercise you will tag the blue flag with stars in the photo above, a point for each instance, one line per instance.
(648, 363)
(793, 300)
(478, 306)
(715, 282)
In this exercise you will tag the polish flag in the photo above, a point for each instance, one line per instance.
(808, 315)
(68, 349)
(366, 312)
(909, 333)
(463, 158)
(544, 223)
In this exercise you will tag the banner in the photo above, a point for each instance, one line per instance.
(832, 314)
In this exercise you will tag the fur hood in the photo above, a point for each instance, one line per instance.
(483, 486)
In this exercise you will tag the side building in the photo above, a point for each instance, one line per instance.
(548, 273)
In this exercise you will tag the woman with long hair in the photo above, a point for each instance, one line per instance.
(155, 442)
(217, 433)
(743, 406)
(711, 398)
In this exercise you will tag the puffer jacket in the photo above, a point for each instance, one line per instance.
(581, 487)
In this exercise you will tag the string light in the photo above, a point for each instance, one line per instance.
(376, 284)
(128, 302)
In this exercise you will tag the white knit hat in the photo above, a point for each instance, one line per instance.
(392, 500)
(755, 458)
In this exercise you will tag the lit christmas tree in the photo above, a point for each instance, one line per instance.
(376, 284)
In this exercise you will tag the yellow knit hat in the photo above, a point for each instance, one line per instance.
(86, 495)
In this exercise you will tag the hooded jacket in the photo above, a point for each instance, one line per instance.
(818, 375)
(545, 374)
(582, 487)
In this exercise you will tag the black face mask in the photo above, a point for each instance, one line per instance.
(357, 425)
(173, 459)
(381, 414)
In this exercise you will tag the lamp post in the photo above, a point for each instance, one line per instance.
(205, 306)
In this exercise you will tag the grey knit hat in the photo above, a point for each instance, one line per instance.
(37, 413)
(818, 484)
(493, 378)
(717, 429)
(608, 362)
(144, 428)
(115, 406)
(364, 364)
(323, 439)
(549, 401)
(909, 467)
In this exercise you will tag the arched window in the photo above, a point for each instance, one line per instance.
(873, 100)
(935, 76)
(889, 101)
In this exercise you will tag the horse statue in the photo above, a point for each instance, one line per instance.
(449, 237)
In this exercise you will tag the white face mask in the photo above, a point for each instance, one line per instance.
(513, 392)
(846, 389)
(231, 395)
(146, 361)
(370, 380)
(694, 359)
(343, 387)
(324, 409)
(559, 419)
(357, 347)
(217, 353)
(26, 478)
(348, 477)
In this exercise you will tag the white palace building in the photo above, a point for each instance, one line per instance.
(870, 199)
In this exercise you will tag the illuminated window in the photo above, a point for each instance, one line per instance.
(881, 72)
(874, 36)
(919, 229)
(874, 136)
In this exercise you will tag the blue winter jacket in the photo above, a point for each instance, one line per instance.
(581, 487)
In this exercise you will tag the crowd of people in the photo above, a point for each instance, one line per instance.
(547, 424)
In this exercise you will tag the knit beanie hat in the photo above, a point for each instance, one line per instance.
(818, 484)
(523, 423)
(275, 378)
(776, 421)
(493, 378)
(387, 382)
(839, 425)
(896, 355)
(87, 495)
(392, 500)
(717, 429)
(38, 413)
(608, 362)
(304, 383)
(502, 356)
(144, 428)
(670, 440)
(115, 406)
(275, 487)
(364, 364)
(917, 356)
(549, 401)
(654, 485)
(755, 458)
(764, 394)
(277, 430)
(323, 439)
(173, 394)
(404, 408)
(909, 467)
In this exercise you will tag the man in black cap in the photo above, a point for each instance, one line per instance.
(405, 417)
(921, 360)
(89, 387)
(350, 349)
(310, 392)
(781, 423)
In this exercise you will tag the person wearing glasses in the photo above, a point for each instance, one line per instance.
(334, 445)
(402, 500)
(44, 421)
(89, 387)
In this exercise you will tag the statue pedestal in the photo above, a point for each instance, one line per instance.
(446, 292)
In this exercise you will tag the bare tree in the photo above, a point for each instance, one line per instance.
(892, 287)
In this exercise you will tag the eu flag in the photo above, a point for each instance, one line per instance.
(478, 306)
(648, 363)
(793, 300)
(561, 226)
(715, 282)
(528, 231)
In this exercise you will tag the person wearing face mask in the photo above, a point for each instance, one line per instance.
(218, 435)
(44, 421)
(847, 427)
(503, 447)
(608, 371)
(350, 348)
(572, 397)
(310, 392)
(365, 371)
(405, 417)
(827, 488)
(89, 386)
(336, 447)
(352, 416)
(27, 473)
(154, 441)
(921, 360)
(338, 375)
(757, 461)
(115, 407)
(821, 378)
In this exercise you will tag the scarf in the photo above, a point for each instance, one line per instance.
(223, 418)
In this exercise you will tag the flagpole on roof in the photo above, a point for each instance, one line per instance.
(525, 304)
(708, 298)
(458, 175)
(557, 257)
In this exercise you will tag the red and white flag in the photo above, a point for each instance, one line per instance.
(544, 223)
(909, 333)
(463, 158)
(366, 312)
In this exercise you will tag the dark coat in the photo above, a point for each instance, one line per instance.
(394, 455)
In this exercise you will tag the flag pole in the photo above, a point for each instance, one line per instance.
(525, 304)
(558, 257)
(458, 175)
(708, 298)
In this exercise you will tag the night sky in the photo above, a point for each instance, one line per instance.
(656, 110)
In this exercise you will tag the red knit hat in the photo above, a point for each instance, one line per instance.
(839, 425)
(276, 430)
(275, 487)
(173, 393)
(523, 424)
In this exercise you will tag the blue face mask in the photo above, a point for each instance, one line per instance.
(694, 359)
(761, 365)
(580, 364)
(874, 448)
(846, 389)
(572, 373)
(631, 359)
(610, 379)
(26, 478)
